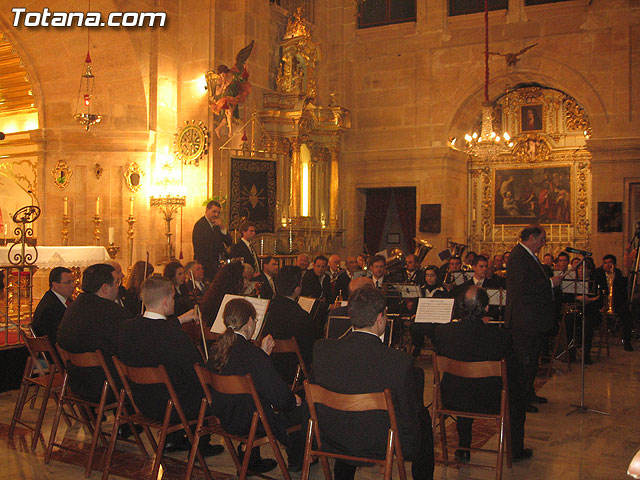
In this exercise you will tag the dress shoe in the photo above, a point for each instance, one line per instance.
(181, 445)
(531, 409)
(463, 456)
(208, 450)
(537, 399)
(523, 454)
(257, 464)
(627, 346)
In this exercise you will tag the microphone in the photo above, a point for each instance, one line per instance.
(584, 253)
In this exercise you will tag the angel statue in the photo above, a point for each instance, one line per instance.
(228, 88)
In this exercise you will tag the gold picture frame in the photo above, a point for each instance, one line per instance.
(61, 174)
(133, 177)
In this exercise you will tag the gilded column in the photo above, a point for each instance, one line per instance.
(294, 209)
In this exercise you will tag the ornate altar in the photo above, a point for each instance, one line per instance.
(545, 178)
(309, 135)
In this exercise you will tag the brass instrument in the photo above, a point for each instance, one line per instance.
(422, 248)
(610, 278)
(396, 261)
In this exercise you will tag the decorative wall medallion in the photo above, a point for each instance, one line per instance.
(61, 174)
(133, 177)
(98, 170)
(192, 141)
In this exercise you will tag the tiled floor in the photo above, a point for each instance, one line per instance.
(579, 446)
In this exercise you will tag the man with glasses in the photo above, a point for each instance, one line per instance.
(53, 304)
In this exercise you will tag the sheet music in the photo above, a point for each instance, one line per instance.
(497, 296)
(575, 287)
(306, 303)
(460, 277)
(260, 304)
(434, 310)
(408, 290)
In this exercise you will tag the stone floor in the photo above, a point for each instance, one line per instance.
(579, 446)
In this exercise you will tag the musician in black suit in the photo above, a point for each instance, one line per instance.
(432, 289)
(286, 319)
(121, 298)
(268, 287)
(244, 248)
(471, 340)
(234, 354)
(361, 363)
(156, 338)
(480, 265)
(415, 274)
(340, 325)
(529, 310)
(345, 277)
(195, 288)
(209, 240)
(92, 322)
(619, 303)
(53, 304)
(316, 283)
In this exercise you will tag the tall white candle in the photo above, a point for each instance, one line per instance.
(112, 235)
(484, 232)
(66, 206)
(97, 205)
(131, 206)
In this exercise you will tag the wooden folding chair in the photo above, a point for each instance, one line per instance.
(90, 412)
(486, 369)
(236, 385)
(337, 326)
(43, 370)
(149, 376)
(290, 345)
(315, 394)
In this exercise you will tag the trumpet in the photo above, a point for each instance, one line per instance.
(610, 278)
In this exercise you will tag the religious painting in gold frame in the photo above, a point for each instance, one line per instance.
(531, 118)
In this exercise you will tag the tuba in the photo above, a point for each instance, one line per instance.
(395, 262)
(422, 248)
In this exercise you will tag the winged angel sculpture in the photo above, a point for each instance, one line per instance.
(228, 88)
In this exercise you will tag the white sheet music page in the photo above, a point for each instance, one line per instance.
(306, 303)
(434, 310)
(260, 304)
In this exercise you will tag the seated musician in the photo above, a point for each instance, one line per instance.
(156, 338)
(451, 270)
(286, 319)
(316, 283)
(249, 286)
(471, 340)
(345, 276)
(266, 280)
(174, 271)
(479, 265)
(54, 302)
(229, 279)
(608, 271)
(196, 292)
(432, 290)
(132, 301)
(339, 326)
(234, 354)
(415, 274)
(244, 247)
(378, 270)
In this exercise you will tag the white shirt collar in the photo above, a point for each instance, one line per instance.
(367, 332)
(246, 242)
(241, 334)
(60, 297)
(153, 315)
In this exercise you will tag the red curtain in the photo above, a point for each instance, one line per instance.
(375, 216)
(405, 199)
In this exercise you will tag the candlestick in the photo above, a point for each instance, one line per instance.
(131, 206)
(112, 250)
(96, 231)
(65, 209)
(484, 232)
(112, 235)
(131, 220)
(97, 206)
(262, 246)
(65, 229)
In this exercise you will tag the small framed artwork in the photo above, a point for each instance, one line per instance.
(609, 217)
(531, 118)
(393, 239)
(430, 218)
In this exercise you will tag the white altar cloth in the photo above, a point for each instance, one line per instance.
(59, 256)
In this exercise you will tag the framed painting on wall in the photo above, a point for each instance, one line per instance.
(253, 192)
(531, 118)
(533, 195)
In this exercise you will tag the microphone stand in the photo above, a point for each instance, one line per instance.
(582, 408)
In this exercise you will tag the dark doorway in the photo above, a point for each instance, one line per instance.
(390, 219)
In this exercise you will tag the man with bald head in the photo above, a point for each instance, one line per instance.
(303, 262)
(119, 276)
(339, 322)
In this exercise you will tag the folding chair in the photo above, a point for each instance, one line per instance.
(486, 369)
(290, 345)
(315, 394)
(38, 373)
(86, 408)
(236, 385)
(337, 326)
(149, 376)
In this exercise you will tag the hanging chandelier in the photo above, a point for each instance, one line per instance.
(85, 91)
(488, 144)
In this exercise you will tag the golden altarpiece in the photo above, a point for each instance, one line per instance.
(545, 177)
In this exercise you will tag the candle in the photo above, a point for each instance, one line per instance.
(473, 214)
(112, 235)
(484, 232)
(66, 206)
(131, 206)
(97, 206)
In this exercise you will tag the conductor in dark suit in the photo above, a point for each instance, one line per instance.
(244, 248)
(92, 322)
(209, 240)
(529, 310)
(286, 319)
(471, 340)
(361, 363)
(53, 304)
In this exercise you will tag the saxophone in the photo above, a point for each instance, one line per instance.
(610, 278)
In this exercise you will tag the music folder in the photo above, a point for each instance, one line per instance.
(407, 290)
(497, 296)
(306, 303)
(460, 277)
(434, 310)
(260, 304)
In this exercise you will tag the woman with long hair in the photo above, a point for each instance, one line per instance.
(234, 354)
(132, 301)
(229, 280)
(174, 271)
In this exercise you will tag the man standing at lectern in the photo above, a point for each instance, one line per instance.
(529, 311)
(209, 239)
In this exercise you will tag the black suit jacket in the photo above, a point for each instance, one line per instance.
(241, 250)
(208, 244)
(286, 319)
(146, 342)
(417, 277)
(530, 306)
(48, 316)
(342, 284)
(619, 289)
(361, 363)
(311, 286)
(235, 412)
(91, 323)
(265, 288)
